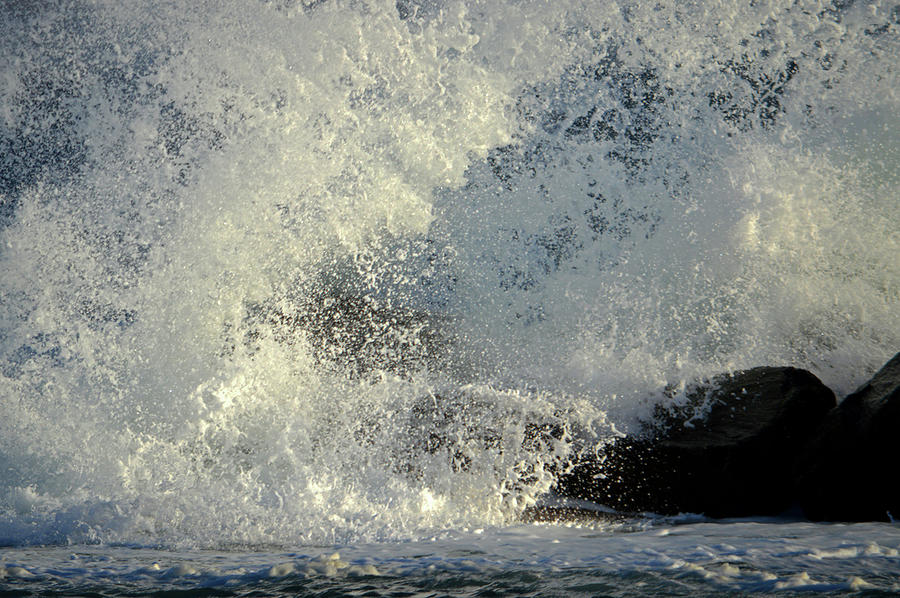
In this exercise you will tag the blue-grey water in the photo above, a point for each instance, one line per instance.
(281, 279)
(665, 558)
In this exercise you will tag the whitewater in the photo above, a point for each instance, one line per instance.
(321, 296)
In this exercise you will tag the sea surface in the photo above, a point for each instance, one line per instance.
(690, 557)
(320, 296)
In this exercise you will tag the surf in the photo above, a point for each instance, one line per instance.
(244, 247)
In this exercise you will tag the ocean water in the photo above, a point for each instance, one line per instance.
(637, 558)
(283, 279)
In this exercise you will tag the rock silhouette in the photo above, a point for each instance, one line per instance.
(732, 452)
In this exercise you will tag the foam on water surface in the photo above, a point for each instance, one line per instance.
(326, 272)
(661, 558)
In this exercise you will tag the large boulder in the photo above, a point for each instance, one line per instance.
(849, 471)
(732, 451)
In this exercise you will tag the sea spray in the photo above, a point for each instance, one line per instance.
(292, 272)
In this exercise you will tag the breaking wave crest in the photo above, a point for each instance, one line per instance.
(303, 272)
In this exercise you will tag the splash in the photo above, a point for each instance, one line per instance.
(299, 272)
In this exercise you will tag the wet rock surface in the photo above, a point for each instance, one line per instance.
(732, 451)
(849, 470)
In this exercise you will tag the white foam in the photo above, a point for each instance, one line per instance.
(708, 557)
(190, 178)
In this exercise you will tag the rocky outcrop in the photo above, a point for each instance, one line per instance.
(345, 327)
(732, 451)
(758, 442)
(849, 470)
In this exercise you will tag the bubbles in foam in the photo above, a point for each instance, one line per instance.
(306, 272)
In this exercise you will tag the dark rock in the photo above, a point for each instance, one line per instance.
(849, 471)
(573, 515)
(470, 428)
(355, 331)
(731, 452)
(360, 334)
